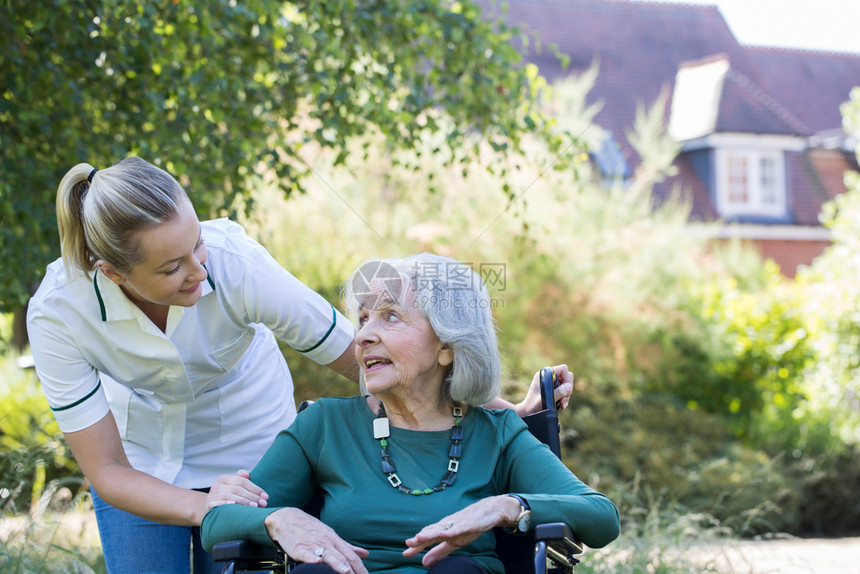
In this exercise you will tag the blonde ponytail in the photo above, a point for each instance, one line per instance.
(98, 212)
(70, 200)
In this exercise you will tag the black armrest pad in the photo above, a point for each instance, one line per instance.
(559, 534)
(243, 550)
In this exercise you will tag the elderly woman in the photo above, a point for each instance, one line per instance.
(414, 474)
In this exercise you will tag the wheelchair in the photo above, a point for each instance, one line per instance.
(552, 548)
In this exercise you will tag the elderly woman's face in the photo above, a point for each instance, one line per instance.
(396, 347)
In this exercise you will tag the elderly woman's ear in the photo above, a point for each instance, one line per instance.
(446, 355)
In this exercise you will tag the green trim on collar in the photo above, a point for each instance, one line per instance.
(102, 302)
(330, 329)
(76, 403)
(99, 295)
(209, 278)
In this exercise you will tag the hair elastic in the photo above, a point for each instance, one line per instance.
(92, 173)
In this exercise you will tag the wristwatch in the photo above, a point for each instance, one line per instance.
(524, 520)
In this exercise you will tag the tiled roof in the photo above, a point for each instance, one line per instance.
(746, 108)
(639, 47)
(811, 85)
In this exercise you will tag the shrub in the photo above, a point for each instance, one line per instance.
(831, 306)
(827, 491)
(688, 458)
(32, 451)
(742, 354)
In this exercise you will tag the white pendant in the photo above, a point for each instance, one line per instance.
(380, 428)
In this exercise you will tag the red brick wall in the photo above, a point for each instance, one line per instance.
(790, 254)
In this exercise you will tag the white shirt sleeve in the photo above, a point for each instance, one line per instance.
(273, 297)
(70, 383)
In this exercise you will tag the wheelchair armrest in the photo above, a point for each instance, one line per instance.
(559, 533)
(246, 552)
(556, 541)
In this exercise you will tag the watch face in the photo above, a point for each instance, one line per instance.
(524, 521)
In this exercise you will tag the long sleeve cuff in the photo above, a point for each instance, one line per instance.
(235, 522)
(593, 518)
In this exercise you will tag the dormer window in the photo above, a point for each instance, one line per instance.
(750, 183)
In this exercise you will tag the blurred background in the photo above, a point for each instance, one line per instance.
(673, 214)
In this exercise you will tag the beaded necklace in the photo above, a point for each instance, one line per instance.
(381, 432)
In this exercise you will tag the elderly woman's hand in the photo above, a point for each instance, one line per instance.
(236, 489)
(462, 528)
(306, 539)
(532, 403)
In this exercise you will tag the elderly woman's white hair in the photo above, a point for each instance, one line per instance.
(455, 301)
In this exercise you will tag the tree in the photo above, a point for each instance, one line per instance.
(219, 92)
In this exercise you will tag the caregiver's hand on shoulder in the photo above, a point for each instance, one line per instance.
(236, 489)
(306, 539)
(462, 528)
(532, 403)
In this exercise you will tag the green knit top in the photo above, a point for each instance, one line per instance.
(330, 447)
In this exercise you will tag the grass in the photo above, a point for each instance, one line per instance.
(59, 535)
(657, 537)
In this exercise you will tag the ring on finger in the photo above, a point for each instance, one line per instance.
(320, 552)
(447, 525)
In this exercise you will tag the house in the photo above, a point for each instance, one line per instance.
(762, 145)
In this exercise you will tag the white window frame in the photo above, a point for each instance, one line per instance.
(755, 204)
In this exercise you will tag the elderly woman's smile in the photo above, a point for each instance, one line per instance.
(372, 362)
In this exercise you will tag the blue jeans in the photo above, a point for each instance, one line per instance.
(132, 545)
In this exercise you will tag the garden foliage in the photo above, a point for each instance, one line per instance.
(33, 455)
(220, 93)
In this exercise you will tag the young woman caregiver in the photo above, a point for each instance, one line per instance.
(154, 340)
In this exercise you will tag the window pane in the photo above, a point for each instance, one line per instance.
(738, 184)
(767, 171)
